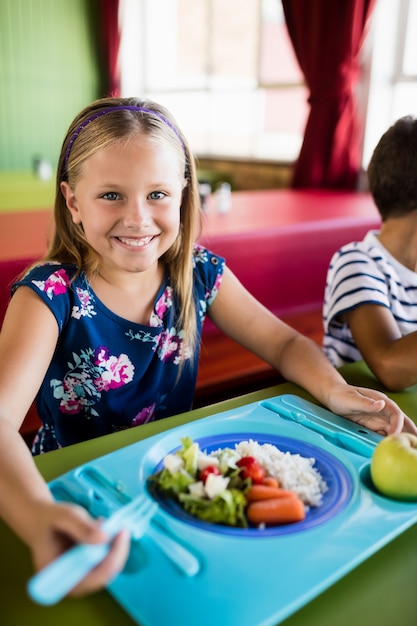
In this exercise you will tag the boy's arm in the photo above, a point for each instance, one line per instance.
(389, 355)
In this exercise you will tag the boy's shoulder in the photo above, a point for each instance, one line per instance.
(368, 246)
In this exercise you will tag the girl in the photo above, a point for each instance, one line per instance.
(105, 332)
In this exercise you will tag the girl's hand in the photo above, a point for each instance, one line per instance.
(370, 408)
(60, 526)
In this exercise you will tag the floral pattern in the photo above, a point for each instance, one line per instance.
(55, 285)
(169, 345)
(89, 375)
(161, 307)
(86, 307)
(107, 373)
(145, 415)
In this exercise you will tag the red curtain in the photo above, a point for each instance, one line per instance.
(110, 38)
(327, 36)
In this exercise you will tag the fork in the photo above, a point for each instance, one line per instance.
(97, 502)
(185, 560)
(52, 583)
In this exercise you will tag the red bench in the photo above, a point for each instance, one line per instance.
(279, 244)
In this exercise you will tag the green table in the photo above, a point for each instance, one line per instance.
(380, 592)
(360, 374)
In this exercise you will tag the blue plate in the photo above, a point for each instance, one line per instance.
(336, 476)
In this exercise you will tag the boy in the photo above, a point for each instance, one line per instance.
(370, 307)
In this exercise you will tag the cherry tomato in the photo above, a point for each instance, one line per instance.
(209, 469)
(246, 460)
(255, 472)
(251, 469)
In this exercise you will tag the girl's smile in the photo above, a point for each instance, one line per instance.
(136, 243)
(128, 201)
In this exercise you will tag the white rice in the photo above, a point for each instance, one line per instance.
(294, 472)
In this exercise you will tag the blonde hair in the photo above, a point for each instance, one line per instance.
(92, 131)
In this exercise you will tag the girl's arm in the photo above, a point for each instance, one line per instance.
(27, 342)
(237, 313)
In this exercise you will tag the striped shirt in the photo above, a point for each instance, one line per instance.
(364, 272)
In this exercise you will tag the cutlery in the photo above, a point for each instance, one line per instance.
(101, 496)
(180, 556)
(358, 443)
(53, 582)
(339, 439)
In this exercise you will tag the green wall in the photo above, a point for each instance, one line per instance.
(50, 67)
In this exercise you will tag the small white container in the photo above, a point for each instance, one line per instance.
(204, 190)
(223, 198)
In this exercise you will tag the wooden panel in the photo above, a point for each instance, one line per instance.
(49, 69)
(24, 235)
(226, 369)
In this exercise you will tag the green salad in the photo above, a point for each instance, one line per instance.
(209, 486)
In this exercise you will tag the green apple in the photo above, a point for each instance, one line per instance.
(394, 466)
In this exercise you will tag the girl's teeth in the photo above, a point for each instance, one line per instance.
(136, 242)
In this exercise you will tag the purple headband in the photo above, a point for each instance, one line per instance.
(121, 107)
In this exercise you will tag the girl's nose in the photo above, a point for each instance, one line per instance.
(137, 213)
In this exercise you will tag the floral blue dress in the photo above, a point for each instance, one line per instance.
(108, 373)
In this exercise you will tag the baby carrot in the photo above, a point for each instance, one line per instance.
(264, 492)
(276, 511)
(270, 481)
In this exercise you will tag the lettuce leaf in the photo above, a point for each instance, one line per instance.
(227, 508)
(172, 483)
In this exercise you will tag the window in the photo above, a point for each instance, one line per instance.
(226, 70)
(393, 76)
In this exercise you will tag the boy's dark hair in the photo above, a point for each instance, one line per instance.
(392, 171)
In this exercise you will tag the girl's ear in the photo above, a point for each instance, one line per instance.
(71, 202)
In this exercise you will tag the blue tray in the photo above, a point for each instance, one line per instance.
(247, 576)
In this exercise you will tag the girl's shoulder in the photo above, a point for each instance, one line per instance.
(207, 262)
(47, 269)
(49, 278)
(55, 284)
(208, 273)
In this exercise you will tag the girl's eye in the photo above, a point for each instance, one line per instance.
(111, 195)
(156, 195)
